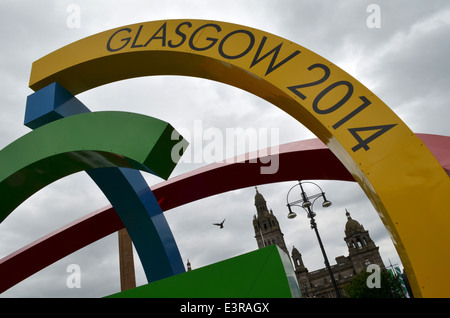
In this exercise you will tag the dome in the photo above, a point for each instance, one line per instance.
(352, 225)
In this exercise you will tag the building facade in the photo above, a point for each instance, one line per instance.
(362, 252)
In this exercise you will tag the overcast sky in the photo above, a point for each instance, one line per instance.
(404, 62)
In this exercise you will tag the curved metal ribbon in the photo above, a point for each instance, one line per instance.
(103, 144)
(88, 229)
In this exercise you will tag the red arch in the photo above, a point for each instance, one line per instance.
(201, 183)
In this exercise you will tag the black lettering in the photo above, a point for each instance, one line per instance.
(326, 74)
(162, 37)
(339, 103)
(181, 34)
(275, 52)
(126, 40)
(133, 45)
(250, 46)
(365, 103)
(363, 143)
(212, 40)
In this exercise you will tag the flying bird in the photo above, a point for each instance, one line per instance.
(219, 224)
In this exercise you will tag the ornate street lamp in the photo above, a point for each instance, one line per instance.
(307, 203)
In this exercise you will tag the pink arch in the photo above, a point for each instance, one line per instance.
(293, 157)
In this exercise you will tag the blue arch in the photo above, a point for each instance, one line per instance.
(125, 188)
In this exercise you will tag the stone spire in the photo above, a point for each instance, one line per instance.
(265, 223)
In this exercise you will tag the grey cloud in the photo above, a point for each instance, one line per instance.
(410, 77)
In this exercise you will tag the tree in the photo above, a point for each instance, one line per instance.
(389, 286)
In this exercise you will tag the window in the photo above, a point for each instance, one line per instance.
(358, 243)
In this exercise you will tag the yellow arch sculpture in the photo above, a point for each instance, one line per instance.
(396, 171)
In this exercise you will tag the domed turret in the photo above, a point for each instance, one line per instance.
(352, 226)
(356, 237)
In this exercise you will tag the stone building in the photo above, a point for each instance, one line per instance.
(267, 228)
(362, 251)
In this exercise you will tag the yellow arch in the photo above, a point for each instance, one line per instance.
(403, 180)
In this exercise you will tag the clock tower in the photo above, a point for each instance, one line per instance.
(267, 229)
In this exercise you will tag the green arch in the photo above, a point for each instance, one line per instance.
(83, 142)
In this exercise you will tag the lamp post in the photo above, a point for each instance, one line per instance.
(307, 203)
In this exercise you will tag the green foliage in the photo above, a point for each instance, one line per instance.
(389, 287)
